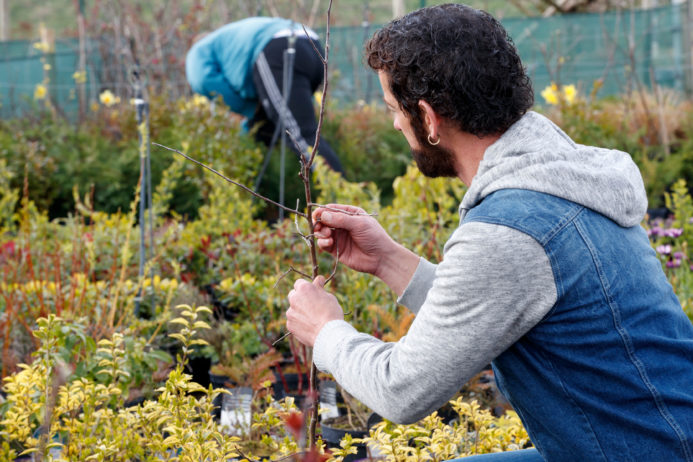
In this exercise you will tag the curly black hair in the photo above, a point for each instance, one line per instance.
(458, 59)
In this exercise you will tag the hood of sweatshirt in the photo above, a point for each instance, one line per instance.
(535, 154)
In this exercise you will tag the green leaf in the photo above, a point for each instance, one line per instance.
(201, 325)
(178, 337)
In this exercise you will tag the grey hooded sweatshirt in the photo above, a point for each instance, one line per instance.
(494, 284)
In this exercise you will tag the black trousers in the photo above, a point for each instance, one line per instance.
(307, 77)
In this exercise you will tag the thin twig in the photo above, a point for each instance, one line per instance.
(281, 338)
(336, 261)
(301, 157)
(260, 196)
(317, 52)
(291, 268)
(298, 230)
(345, 212)
(306, 236)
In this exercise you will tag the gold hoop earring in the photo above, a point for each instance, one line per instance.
(431, 142)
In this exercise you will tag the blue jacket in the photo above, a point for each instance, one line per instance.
(606, 375)
(222, 62)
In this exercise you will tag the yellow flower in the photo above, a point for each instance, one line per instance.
(46, 67)
(107, 98)
(200, 101)
(40, 91)
(41, 46)
(569, 93)
(80, 76)
(226, 284)
(550, 94)
(318, 97)
(94, 106)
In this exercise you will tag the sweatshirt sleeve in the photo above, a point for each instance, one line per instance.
(415, 292)
(494, 284)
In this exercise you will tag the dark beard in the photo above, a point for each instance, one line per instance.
(433, 161)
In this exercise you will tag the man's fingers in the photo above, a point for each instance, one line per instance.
(326, 245)
(319, 281)
(334, 211)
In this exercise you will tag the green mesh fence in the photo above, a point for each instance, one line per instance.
(624, 50)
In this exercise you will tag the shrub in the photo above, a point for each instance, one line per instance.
(654, 128)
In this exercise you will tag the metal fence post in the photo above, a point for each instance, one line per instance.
(687, 48)
(142, 114)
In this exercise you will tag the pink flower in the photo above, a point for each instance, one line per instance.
(656, 231)
(664, 249)
(673, 232)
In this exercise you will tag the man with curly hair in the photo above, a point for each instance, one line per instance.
(549, 276)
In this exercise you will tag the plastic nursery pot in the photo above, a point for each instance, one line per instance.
(228, 313)
(198, 367)
(290, 383)
(236, 412)
(220, 381)
(332, 435)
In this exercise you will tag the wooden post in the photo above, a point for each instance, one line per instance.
(4, 20)
(397, 8)
(687, 47)
(82, 63)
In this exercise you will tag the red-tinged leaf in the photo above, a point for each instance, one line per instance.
(294, 422)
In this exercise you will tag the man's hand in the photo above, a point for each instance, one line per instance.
(361, 241)
(311, 307)
(363, 244)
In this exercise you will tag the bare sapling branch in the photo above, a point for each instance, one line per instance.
(325, 61)
(245, 188)
(305, 175)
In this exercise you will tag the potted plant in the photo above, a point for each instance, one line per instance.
(353, 422)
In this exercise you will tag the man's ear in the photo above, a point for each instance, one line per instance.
(431, 119)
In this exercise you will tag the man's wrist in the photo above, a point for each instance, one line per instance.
(397, 268)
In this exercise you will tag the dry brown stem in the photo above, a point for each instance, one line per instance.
(259, 196)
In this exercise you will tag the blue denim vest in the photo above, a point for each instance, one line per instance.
(607, 375)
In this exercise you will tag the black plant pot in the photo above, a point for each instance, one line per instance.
(134, 402)
(220, 381)
(222, 310)
(198, 367)
(332, 436)
(285, 385)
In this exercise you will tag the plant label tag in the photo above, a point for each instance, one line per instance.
(236, 415)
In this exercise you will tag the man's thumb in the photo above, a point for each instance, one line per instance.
(319, 281)
(335, 220)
